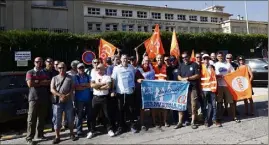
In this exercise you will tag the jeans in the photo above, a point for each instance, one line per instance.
(126, 105)
(58, 110)
(80, 105)
(99, 103)
(210, 102)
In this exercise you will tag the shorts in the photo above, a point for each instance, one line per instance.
(224, 94)
(58, 110)
(192, 98)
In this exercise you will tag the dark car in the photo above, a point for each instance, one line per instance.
(13, 96)
(259, 68)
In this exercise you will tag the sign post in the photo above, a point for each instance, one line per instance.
(22, 57)
(87, 57)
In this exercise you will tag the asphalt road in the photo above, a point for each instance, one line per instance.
(252, 130)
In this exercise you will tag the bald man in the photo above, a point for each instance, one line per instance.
(37, 81)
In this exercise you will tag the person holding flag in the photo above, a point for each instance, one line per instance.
(241, 61)
(145, 72)
(223, 69)
(160, 74)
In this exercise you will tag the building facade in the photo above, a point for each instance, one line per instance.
(49, 15)
(108, 16)
(98, 16)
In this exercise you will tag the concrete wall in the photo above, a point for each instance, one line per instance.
(2, 15)
(49, 18)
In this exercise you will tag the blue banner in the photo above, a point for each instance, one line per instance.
(164, 94)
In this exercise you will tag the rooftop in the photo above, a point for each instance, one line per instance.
(154, 7)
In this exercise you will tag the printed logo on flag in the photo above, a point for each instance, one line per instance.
(240, 83)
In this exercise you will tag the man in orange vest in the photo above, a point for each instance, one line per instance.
(160, 74)
(209, 88)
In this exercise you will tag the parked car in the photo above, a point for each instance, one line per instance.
(259, 68)
(13, 96)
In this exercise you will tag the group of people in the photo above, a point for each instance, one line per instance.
(110, 92)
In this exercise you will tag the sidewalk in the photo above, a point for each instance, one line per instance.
(252, 130)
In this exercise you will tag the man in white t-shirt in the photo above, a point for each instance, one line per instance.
(221, 69)
(101, 84)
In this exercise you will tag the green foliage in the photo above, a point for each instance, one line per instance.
(67, 46)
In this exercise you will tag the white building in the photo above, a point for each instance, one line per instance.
(108, 16)
(90, 16)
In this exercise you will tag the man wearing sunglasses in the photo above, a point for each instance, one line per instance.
(37, 81)
(51, 72)
(56, 62)
(222, 68)
(83, 98)
(189, 71)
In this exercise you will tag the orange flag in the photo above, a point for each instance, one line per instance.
(193, 59)
(174, 50)
(239, 84)
(106, 49)
(154, 44)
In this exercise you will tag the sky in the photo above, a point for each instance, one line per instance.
(256, 10)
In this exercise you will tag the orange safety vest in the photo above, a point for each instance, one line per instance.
(208, 80)
(160, 74)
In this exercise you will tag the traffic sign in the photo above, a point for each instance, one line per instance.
(87, 57)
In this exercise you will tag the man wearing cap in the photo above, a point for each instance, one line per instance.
(209, 88)
(83, 98)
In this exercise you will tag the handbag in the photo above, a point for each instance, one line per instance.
(55, 98)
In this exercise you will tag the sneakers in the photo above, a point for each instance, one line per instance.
(194, 126)
(179, 125)
(133, 130)
(73, 137)
(206, 125)
(30, 142)
(111, 133)
(187, 123)
(119, 131)
(143, 128)
(89, 135)
(166, 124)
(217, 124)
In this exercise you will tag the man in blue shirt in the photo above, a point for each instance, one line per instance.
(83, 98)
(124, 83)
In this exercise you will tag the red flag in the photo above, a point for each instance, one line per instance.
(154, 44)
(174, 50)
(193, 59)
(106, 49)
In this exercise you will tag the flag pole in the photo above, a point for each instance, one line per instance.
(246, 13)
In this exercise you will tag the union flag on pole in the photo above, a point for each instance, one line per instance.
(193, 59)
(154, 44)
(174, 50)
(239, 84)
(106, 49)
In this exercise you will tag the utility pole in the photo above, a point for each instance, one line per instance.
(246, 13)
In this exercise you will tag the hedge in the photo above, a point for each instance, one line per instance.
(67, 46)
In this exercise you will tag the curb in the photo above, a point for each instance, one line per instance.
(10, 137)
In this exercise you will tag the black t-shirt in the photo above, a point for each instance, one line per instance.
(188, 70)
(169, 72)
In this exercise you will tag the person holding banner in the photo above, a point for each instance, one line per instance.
(189, 71)
(222, 69)
(209, 88)
(123, 77)
(160, 74)
(241, 61)
(145, 72)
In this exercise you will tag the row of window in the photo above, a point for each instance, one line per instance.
(140, 28)
(154, 15)
(57, 30)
